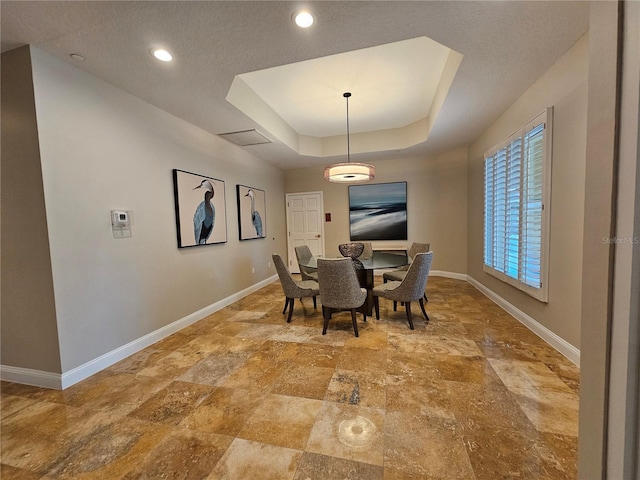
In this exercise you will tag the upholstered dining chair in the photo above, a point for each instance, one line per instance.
(340, 290)
(410, 289)
(293, 288)
(303, 255)
(397, 275)
(367, 252)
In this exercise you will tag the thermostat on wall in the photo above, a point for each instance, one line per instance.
(119, 217)
(121, 223)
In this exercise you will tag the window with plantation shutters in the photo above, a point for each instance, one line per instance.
(516, 193)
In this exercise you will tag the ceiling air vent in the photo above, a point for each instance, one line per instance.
(245, 138)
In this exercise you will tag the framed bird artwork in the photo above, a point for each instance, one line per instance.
(201, 217)
(252, 212)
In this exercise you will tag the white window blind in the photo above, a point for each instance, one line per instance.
(516, 190)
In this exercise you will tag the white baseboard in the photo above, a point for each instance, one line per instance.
(442, 273)
(27, 376)
(432, 273)
(61, 381)
(557, 342)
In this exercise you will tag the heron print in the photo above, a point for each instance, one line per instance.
(256, 219)
(251, 208)
(200, 209)
(205, 216)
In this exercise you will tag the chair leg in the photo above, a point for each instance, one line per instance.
(286, 304)
(376, 304)
(423, 310)
(326, 314)
(314, 303)
(395, 306)
(290, 310)
(425, 298)
(407, 306)
(353, 319)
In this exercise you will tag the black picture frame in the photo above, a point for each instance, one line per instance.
(197, 225)
(378, 211)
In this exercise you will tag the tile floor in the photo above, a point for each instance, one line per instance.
(243, 395)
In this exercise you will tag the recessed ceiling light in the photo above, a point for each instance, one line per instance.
(303, 18)
(162, 55)
(77, 56)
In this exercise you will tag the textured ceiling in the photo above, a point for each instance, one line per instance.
(505, 45)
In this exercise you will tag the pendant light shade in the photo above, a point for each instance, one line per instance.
(349, 172)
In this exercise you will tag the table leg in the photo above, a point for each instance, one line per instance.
(365, 277)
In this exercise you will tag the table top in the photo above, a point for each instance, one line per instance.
(378, 260)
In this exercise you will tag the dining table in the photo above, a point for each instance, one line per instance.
(365, 268)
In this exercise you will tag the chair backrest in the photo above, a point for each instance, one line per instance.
(415, 281)
(368, 250)
(416, 248)
(289, 285)
(303, 253)
(353, 249)
(339, 286)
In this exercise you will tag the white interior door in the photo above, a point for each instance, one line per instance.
(305, 224)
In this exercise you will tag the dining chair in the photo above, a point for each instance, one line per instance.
(303, 255)
(367, 252)
(340, 290)
(410, 289)
(397, 275)
(294, 288)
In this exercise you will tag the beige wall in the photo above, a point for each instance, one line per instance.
(563, 86)
(436, 204)
(29, 330)
(102, 149)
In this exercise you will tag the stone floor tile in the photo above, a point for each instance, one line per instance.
(171, 404)
(366, 389)
(212, 370)
(299, 381)
(182, 454)
(322, 467)
(282, 420)
(7, 472)
(350, 432)
(362, 359)
(425, 447)
(224, 411)
(245, 459)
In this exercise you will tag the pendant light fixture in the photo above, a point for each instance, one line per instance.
(349, 172)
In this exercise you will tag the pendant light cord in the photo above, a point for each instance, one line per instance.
(347, 95)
